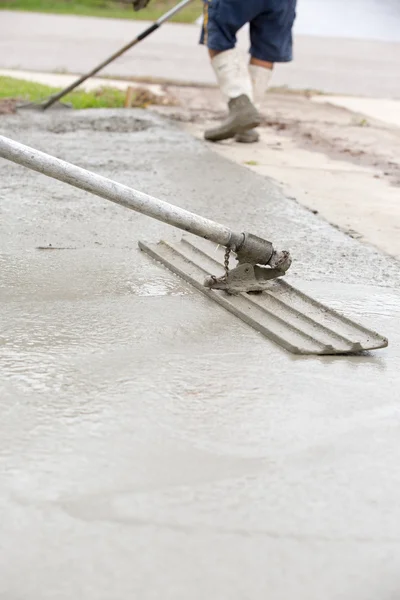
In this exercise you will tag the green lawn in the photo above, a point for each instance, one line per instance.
(26, 91)
(106, 8)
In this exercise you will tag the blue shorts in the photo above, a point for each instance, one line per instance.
(271, 23)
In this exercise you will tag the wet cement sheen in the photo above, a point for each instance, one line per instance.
(153, 446)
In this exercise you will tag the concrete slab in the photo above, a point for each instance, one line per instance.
(151, 444)
(350, 196)
(387, 111)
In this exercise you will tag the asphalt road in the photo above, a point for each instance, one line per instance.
(325, 62)
(358, 19)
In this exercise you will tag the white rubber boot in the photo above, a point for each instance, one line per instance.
(233, 76)
(235, 84)
(260, 78)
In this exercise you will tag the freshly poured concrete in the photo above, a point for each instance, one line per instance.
(153, 446)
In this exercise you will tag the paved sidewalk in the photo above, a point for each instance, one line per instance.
(387, 111)
(62, 80)
(40, 42)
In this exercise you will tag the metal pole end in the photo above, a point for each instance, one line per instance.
(255, 250)
(258, 264)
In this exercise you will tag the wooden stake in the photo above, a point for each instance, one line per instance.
(129, 97)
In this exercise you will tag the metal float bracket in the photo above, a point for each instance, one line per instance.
(249, 275)
(244, 278)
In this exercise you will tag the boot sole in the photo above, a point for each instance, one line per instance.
(242, 138)
(251, 123)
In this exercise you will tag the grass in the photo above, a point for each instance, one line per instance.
(28, 91)
(106, 8)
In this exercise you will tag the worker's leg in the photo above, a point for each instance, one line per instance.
(271, 41)
(260, 73)
(222, 19)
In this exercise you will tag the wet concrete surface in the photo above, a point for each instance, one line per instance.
(151, 444)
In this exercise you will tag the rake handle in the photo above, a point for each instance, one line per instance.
(55, 97)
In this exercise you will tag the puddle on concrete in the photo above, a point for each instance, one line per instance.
(62, 273)
(158, 287)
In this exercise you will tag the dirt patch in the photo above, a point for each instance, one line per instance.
(143, 97)
(8, 106)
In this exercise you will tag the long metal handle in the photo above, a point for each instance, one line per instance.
(170, 13)
(118, 193)
(173, 11)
